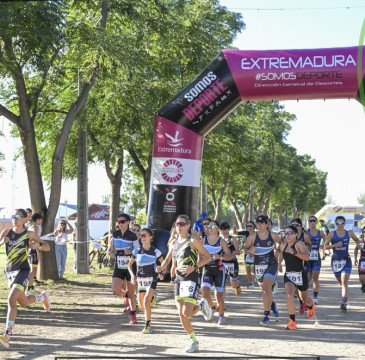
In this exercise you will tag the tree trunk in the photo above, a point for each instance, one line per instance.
(116, 183)
(236, 212)
(219, 201)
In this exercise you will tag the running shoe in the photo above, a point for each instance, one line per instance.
(315, 300)
(292, 325)
(343, 307)
(147, 330)
(274, 309)
(301, 309)
(222, 320)
(251, 286)
(206, 310)
(265, 321)
(4, 340)
(305, 307)
(154, 299)
(133, 319)
(127, 309)
(237, 290)
(311, 312)
(193, 347)
(363, 288)
(46, 302)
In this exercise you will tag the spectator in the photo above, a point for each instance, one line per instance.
(64, 228)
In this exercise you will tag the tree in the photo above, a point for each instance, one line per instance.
(41, 42)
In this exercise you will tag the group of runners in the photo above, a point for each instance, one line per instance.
(200, 260)
(203, 259)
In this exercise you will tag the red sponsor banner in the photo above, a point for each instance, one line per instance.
(175, 141)
(295, 74)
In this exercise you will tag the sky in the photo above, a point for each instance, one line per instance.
(329, 131)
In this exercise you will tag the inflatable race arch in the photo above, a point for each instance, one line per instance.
(232, 77)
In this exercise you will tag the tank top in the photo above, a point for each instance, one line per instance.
(146, 261)
(316, 239)
(184, 255)
(292, 262)
(17, 251)
(342, 252)
(264, 250)
(231, 248)
(215, 248)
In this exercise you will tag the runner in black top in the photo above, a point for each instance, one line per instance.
(17, 270)
(185, 252)
(120, 248)
(293, 252)
(145, 258)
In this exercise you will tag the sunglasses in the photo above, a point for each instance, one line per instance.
(289, 233)
(143, 236)
(312, 220)
(63, 223)
(224, 228)
(122, 221)
(212, 227)
(16, 217)
(296, 224)
(340, 223)
(180, 223)
(249, 226)
(206, 223)
(136, 230)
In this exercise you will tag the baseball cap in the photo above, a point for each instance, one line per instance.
(262, 219)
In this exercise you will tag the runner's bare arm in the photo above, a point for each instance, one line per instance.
(327, 244)
(204, 256)
(43, 244)
(248, 245)
(166, 262)
(227, 253)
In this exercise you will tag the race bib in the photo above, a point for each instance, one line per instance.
(122, 262)
(97, 246)
(295, 277)
(10, 276)
(249, 260)
(338, 265)
(229, 267)
(313, 255)
(144, 283)
(362, 265)
(260, 270)
(187, 288)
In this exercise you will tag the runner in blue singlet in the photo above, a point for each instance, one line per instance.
(314, 262)
(262, 246)
(214, 272)
(341, 264)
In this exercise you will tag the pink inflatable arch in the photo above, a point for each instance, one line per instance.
(232, 77)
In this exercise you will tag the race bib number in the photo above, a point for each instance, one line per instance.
(187, 288)
(362, 265)
(144, 283)
(229, 267)
(97, 246)
(295, 277)
(10, 276)
(260, 270)
(313, 255)
(122, 262)
(249, 260)
(338, 265)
